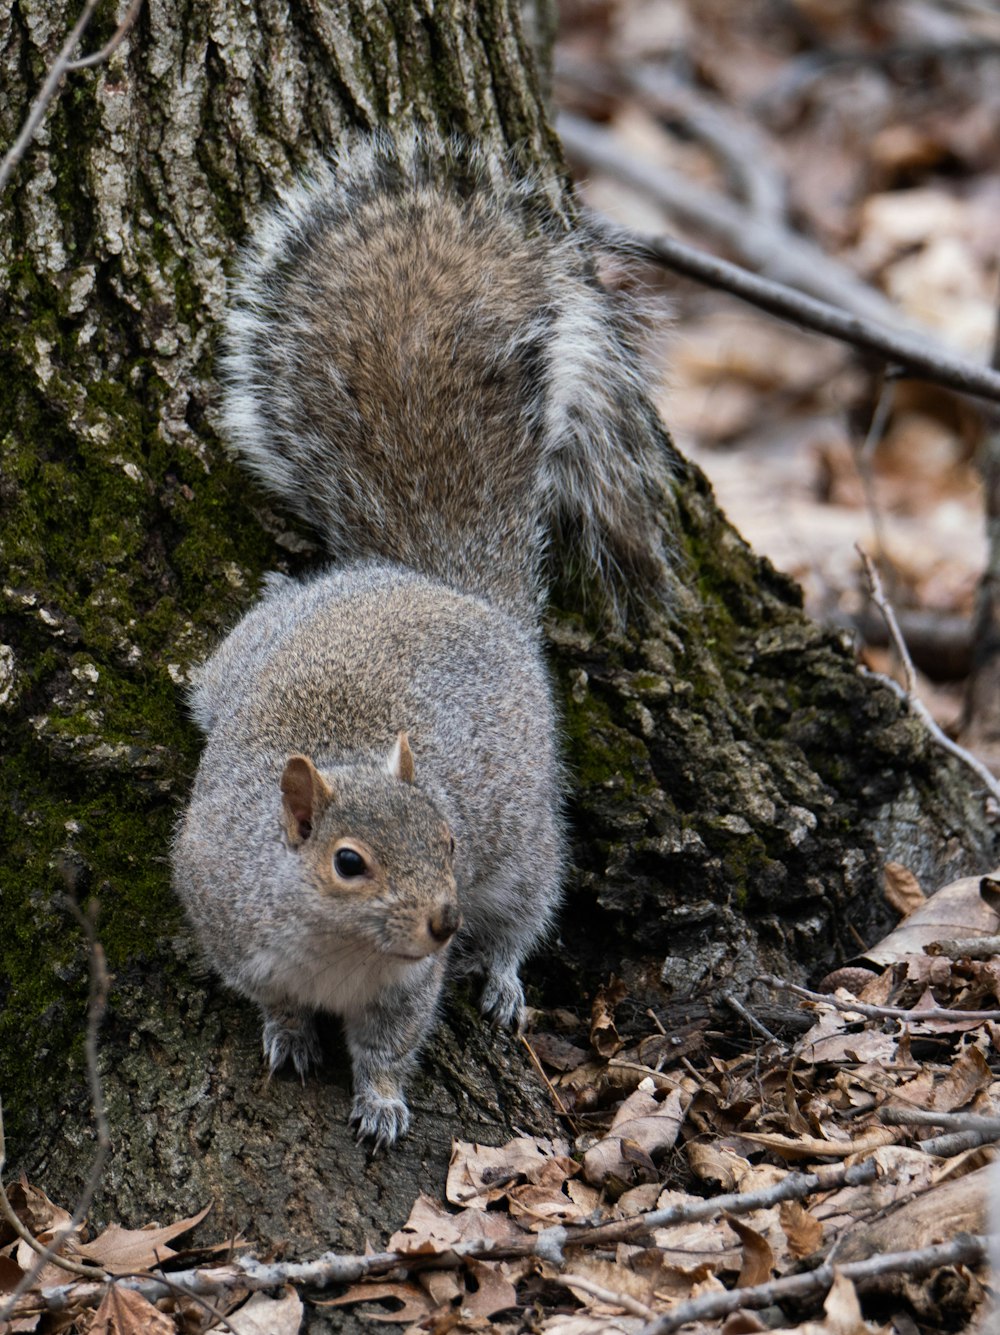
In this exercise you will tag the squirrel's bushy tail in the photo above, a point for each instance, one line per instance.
(421, 362)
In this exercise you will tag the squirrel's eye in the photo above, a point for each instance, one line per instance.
(347, 863)
(451, 846)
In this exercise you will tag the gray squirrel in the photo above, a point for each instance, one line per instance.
(421, 364)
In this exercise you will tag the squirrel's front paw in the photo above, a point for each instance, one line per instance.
(380, 1120)
(290, 1035)
(503, 997)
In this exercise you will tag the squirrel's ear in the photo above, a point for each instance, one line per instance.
(400, 761)
(305, 793)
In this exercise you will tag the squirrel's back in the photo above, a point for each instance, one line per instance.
(422, 365)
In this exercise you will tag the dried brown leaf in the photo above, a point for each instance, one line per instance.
(538, 1207)
(902, 889)
(481, 1174)
(50, 1274)
(758, 1257)
(616, 1276)
(441, 1286)
(604, 1037)
(494, 1291)
(432, 1230)
(558, 1053)
(989, 971)
(695, 1250)
(10, 1274)
(716, 1163)
(642, 1127)
(956, 910)
(813, 1147)
(968, 1074)
(742, 1323)
(903, 1171)
(124, 1312)
(124, 1250)
(588, 1199)
(415, 1303)
(829, 1041)
(952, 1206)
(842, 1313)
(34, 1209)
(637, 1200)
(263, 1315)
(879, 988)
(803, 1231)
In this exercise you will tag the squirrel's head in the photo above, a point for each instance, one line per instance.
(373, 843)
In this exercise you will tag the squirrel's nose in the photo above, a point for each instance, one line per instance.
(444, 922)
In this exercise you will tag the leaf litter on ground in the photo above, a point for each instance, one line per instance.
(712, 1127)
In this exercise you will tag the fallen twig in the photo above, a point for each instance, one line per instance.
(899, 1115)
(604, 1295)
(954, 1143)
(908, 693)
(221, 1283)
(878, 597)
(806, 69)
(966, 1249)
(784, 256)
(917, 707)
(965, 947)
(561, 1108)
(756, 1025)
(864, 456)
(917, 356)
(858, 315)
(878, 1012)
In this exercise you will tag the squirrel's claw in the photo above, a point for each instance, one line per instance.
(290, 1035)
(503, 998)
(378, 1120)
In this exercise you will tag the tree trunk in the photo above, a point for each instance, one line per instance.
(735, 784)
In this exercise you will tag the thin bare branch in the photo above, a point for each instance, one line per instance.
(63, 62)
(919, 357)
(99, 985)
(865, 457)
(774, 250)
(900, 1115)
(747, 158)
(113, 42)
(47, 1255)
(879, 1012)
(756, 1025)
(885, 607)
(966, 947)
(859, 315)
(918, 707)
(955, 1143)
(561, 1108)
(966, 1249)
(218, 1317)
(604, 1295)
(222, 1283)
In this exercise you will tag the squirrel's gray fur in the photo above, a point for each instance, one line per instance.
(422, 365)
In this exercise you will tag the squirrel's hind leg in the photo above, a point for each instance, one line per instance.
(289, 1033)
(512, 915)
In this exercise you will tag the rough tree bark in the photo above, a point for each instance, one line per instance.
(735, 784)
